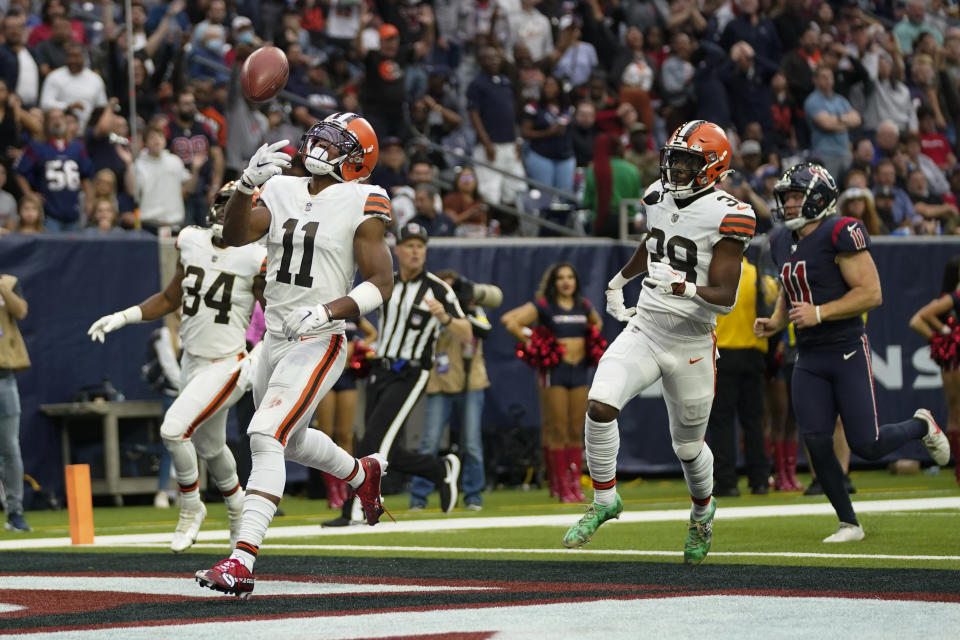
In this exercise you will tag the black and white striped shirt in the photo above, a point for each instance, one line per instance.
(408, 331)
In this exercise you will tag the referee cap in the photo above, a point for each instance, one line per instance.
(413, 230)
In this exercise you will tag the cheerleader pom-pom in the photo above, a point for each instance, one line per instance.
(945, 347)
(361, 359)
(596, 344)
(542, 351)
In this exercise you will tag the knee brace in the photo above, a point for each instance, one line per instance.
(269, 472)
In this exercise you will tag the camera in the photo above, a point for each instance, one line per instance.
(470, 293)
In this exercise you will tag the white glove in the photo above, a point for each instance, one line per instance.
(616, 308)
(667, 280)
(305, 320)
(267, 162)
(247, 367)
(114, 321)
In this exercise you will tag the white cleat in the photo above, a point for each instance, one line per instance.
(187, 528)
(234, 512)
(935, 441)
(846, 532)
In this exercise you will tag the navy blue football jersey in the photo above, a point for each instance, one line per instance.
(809, 273)
(56, 170)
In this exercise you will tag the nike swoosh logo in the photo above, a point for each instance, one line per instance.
(847, 356)
(692, 361)
(262, 164)
(742, 207)
(851, 228)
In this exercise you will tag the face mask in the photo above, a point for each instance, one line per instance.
(215, 45)
(245, 38)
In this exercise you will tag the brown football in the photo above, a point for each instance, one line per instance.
(264, 74)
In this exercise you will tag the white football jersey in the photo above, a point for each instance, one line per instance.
(310, 257)
(217, 293)
(686, 238)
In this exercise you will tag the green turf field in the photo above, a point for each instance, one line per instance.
(905, 535)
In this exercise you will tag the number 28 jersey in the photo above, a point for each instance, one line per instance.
(310, 258)
(686, 237)
(217, 293)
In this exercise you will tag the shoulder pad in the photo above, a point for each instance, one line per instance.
(653, 197)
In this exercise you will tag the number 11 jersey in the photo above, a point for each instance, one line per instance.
(686, 237)
(310, 258)
(217, 293)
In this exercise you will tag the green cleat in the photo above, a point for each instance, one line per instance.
(699, 537)
(580, 533)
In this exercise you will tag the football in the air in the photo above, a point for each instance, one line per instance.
(264, 74)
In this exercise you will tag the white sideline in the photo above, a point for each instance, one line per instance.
(462, 524)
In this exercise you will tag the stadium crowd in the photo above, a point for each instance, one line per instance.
(468, 98)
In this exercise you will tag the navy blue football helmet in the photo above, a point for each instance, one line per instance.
(819, 191)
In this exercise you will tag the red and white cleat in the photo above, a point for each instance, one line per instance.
(374, 466)
(228, 576)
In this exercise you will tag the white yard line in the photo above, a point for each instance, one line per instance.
(278, 532)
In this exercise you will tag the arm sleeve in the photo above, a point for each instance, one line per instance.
(167, 358)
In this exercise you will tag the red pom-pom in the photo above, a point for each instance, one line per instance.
(945, 348)
(543, 351)
(360, 360)
(595, 345)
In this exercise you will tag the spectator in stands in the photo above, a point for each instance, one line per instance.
(321, 98)
(609, 179)
(216, 15)
(748, 85)
(933, 143)
(247, 124)
(490, 102)
(163, 182)
(30, 218)
(189, 139)
(685, 17)
(17, 125)
(104, 218)
(207, 111)
(13, 358)
(546, 127)
(858, 203)
(391, 171)
(752, 27)
(44, 31)
(52, 53)
(437, 223)
(577, 59)
(74, 87)
(936, 179)
(56, 170)
(584, 131)
(465, 205)
(676, 83)
(939, 217)
(204, 58)
(532, 28)
(18, 66)
(888, 139)
(791, 23)
(914, 23)
(799, 64)
(890, 98)
(8, 205)
(830, 117)
(864, 155)
(739, 387)
(784, 114)
(279, 127)
(902, 215)
(105, 138)
(642, 154)
(848, 72)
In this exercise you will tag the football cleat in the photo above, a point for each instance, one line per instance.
(935, 441)
(699, 536)
(16, 523)
(227, 576)
(374, 467)
(448, 488)
(234, 504)
(846, 532)
(188, 527)
(581, 533)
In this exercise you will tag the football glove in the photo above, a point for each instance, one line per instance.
(267, 162)
(247, 366)
(616, 308)
(99, 329)
(304, 321)
(667, 280)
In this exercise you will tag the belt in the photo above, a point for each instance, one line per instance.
(397, 364)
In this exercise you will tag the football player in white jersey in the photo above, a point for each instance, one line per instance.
(319, 230)
(215, 287)
(695, 238)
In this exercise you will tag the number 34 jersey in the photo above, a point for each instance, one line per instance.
(686, 237)
(217, 293)
(310, 257)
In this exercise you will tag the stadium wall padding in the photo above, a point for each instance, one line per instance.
(70, 281)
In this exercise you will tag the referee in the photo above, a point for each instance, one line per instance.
(422, 305)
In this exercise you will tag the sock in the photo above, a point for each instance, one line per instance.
(356, 476)
(184, 458)
(890, 438)
(602, 441)
(223, 468)
(258, 512)
(830, 475)
(313, 448)
(699, 476)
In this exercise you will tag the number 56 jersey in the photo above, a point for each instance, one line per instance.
(310, 258)
(686, 237)
(217, 293)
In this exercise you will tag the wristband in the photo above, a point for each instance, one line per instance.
(819, 321)
(244, 187)
(326, 310)
(132, 315)
(367, 296)
(689, 289)
(618, 281)
(449, 320)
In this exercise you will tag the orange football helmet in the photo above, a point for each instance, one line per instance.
(343, 145)
(696, 157)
